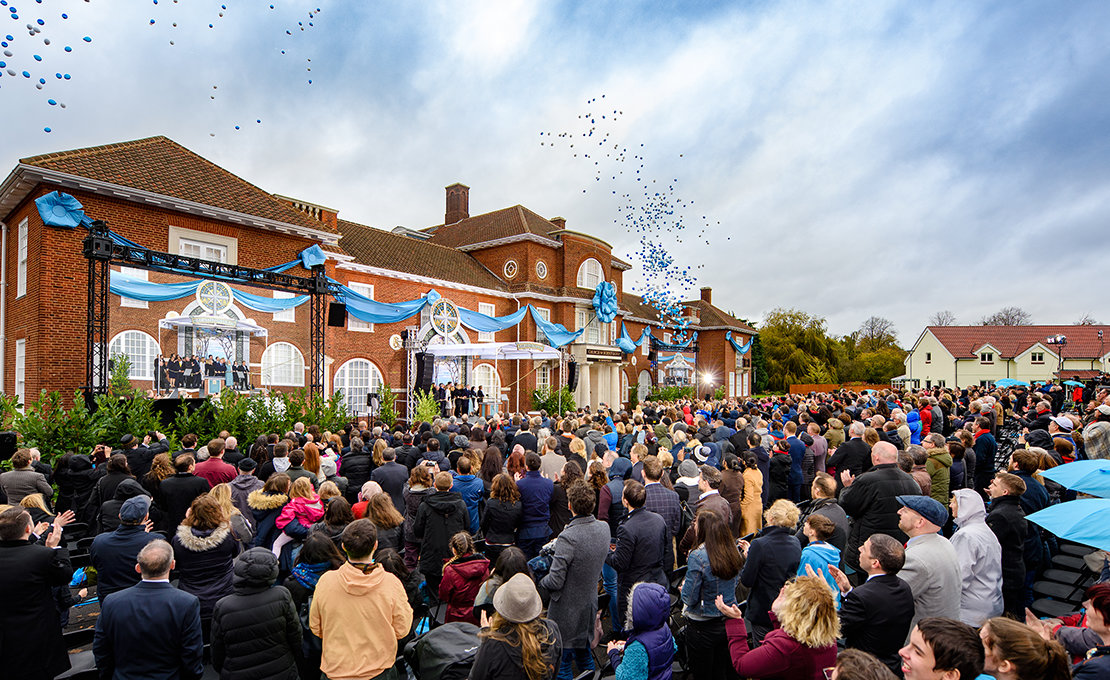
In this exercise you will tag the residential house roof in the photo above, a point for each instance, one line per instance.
(963, 341)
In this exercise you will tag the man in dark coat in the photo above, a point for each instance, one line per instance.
(709, 481)
(985, 449)
(140, 456)
(871, 500)
(180, 490)
(439, 517)
(391, 476)
(1007, 520)
(638, 554)
(580, 552)
(407, 454)
(31, 644)
(114, 554)
(255, 631)
(853, 455)
(875, 617)
(150, 630)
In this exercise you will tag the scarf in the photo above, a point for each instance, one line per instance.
(980, 433)
(309, 574)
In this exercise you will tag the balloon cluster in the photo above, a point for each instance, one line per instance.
(605, 302)
(27, 62)
(652, 209)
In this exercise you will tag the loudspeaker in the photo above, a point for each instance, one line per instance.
(405, 334)
(7, 445)
(572, 375)
(425, 369)
(653, 355)
(337, 314)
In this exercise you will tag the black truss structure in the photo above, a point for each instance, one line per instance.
(101, 250)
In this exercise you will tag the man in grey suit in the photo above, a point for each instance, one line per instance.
(580, 551)
(932, 568)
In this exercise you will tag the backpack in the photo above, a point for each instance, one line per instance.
(687, 518)
(309, 642)
(446, 653)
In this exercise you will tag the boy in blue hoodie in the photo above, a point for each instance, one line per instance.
(819, 553)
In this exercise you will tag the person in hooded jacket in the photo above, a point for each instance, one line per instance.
(440, 516)
(204, 548)
(255, 630)
(242, 486)
(913, 421)
(470, 488)
(81, 477)
(107, 519)
(463, 576)
(357, 467)
(939, 467)
(818, 554)
(980, 557)
(265, 505)
(650, 648)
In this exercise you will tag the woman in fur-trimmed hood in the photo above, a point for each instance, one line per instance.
(266, 504)
(204, 550)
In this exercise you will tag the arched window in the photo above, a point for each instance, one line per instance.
(590, 274)
(140, 349)
(623, 396)
(485, 377)
(283, 365)
(355, 379)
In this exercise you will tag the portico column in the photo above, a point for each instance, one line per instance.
(582, 396)
(615, 397)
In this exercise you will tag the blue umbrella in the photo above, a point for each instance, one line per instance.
(1010, 382)
(1083, 521)
(1073, 383)
(1087, 476)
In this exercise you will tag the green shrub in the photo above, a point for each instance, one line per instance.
(553, 401)
(671, 393)
(388, 410)
(427, 408)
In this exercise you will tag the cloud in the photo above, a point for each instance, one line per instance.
(890, 158)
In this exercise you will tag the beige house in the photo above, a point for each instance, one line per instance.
(958, 356)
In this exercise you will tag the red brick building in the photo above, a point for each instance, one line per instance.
(166, 198)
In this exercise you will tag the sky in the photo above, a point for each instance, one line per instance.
(847, 159)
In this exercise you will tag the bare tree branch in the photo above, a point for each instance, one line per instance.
(942, 318)
(1008, 316)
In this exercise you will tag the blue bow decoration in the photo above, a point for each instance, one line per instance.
(605, 302)
(61, 210)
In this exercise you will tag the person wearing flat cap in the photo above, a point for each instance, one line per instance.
(519, 644)
(114, 553)
(932, 567)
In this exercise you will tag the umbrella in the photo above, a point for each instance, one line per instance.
(1082, 521)
(1073, 383)
(1087, 476)
(1010, 382)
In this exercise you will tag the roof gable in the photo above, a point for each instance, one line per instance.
(491, 226)
(159, 165)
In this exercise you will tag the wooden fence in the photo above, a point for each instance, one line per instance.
(855, 387)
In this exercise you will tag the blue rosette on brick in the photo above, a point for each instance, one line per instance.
(605, 302)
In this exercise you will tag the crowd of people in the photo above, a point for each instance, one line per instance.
(840, 535)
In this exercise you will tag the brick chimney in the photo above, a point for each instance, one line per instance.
(707, 295)
(458, 203)
(560, 222)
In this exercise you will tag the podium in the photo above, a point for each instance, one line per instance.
(213, 386)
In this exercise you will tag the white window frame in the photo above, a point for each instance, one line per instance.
(543, 375)
(545, 314)
(489, 309)
(23, 257)
(285, 315)
(731, 384)
(666, 338)
(356, 401)
(593, 333)
(141, 275)
(928, 357)
(645, 345)
(205, 250)
(227, 245)
(21, 372)
(986, 357)
(294, 377)
(1036, 357)
(365, 290)
(143, 368)
(587, 274)
(490, 391)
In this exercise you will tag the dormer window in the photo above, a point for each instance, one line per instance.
(986, 357)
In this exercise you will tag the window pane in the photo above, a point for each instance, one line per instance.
(355, 379)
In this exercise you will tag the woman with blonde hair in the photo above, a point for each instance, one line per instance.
(377, 458)
(204, 550)
(770, 560)
(801, 647)
(34, 504)
(328, 491)
(240, 527)
(518, 644)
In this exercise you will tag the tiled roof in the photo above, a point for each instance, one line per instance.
(1078, 374)
(494, 225)
(1010, 341)
(161, 166)
(710, 316)
(377, 248)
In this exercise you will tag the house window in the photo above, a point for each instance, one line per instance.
(283, 365)
(21, 272)
(614, 331)
(666, 338)
(485, 377)
(928, 357)
(356, 379)
(213, 252)
(140, 349)
(288, 315)
(543, 376)
(940, 383)
(624, 388)
(544, 314)
(139, 275)
(21, 371)
(596, 332)
(732, 383)
(367, 291)
(1037, 357)
(645, 346)
(986, 358)
(589, 274)
(982, 383)
(489, 310)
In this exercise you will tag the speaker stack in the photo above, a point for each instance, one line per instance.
(572, 375)
(337, 314)
(425, 368)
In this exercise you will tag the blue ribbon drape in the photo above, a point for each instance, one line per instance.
(372, 311)
(740, 349)
(627, 344)
(123, 285)
(556, 333)
(476, 321)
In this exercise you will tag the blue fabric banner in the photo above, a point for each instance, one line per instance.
(740, 349)
(476, 321)
(556, 333)
(261, 303)
(137, 289)
(627, 344)
(372, 311)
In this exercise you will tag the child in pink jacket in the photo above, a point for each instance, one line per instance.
(304, 506)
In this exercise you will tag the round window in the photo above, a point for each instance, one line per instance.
(510, 269)
(541, 269)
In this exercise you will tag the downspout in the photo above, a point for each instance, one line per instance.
(3, 300)
(517, 363)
